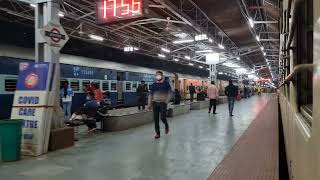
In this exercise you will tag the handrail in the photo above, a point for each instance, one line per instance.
(297, 69)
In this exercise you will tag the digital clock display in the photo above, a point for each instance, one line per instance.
(119, 10)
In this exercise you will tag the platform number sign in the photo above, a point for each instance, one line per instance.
(119, 10)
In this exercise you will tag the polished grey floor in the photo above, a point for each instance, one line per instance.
(196, 144)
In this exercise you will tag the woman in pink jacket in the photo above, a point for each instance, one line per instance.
(213, 95)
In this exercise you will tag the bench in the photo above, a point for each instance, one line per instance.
(176, 110)
(127, 120)
(222, 99)
(197, 105)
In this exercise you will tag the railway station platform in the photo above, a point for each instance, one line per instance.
(200, 146)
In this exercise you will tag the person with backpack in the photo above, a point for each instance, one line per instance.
(231, 92)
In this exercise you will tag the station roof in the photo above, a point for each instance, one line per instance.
(225, 23)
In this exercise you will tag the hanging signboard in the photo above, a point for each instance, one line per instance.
(30, 104)
(54, 35)
(108, 11)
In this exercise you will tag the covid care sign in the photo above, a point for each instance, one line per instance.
(30, 105)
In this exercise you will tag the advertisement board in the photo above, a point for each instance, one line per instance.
(31, 104)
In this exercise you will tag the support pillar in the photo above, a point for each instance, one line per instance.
(213, 72)
(47, 12)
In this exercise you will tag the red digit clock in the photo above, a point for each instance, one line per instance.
(119, 10)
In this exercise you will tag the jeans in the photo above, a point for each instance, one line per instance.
(90, 124)
(213, 103)
(231, 101)
(191, 97)
(67, 109)
(160, 109)
(141, 102)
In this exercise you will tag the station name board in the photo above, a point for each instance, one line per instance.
(119, 10)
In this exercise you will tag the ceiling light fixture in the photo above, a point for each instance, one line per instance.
(95, 37)
(183, 41)
(262, 48)
(33, 5)
(200, 67)
(165, 50)
(191, 64)
(187, 57)
(204, 51)
(251, 22)
(238, 58)
(175, 59)
(258, 38)
(221, 46)
(161, 55)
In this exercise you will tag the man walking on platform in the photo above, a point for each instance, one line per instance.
(213, 95)
(142, 91)
(159, 96)
(231, 92)
(192, 90)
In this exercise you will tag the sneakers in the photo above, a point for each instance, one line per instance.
(157, 136)
(215, 113)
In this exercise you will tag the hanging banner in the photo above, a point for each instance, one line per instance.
(31, 104)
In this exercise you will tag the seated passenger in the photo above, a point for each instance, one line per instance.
(97, 93)
(91, 102)
(177, 97)
(201, 96)
(91, 107)
(105, 104)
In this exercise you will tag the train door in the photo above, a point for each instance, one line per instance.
(120, 94)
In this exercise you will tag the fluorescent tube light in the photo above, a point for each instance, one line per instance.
(183, 41)
(161, 55)
(165, 50)
(95, 37)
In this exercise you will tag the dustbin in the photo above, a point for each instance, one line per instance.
(10, 139)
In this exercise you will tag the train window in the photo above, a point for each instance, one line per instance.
(304, 55)
(85, 83)
(96, 82)
(62, 81)
(105, 86)
(128, 86)
(10, 85)
(134, 86)
(75, 84)
(113, 86)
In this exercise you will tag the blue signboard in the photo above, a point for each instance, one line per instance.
(71, 71)
(32, 76)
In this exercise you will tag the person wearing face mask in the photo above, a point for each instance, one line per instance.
(159, 96)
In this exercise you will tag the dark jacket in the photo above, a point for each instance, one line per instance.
(192, 89)
(231, 90)
(142, 90)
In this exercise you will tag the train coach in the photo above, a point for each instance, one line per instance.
(121, 80)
